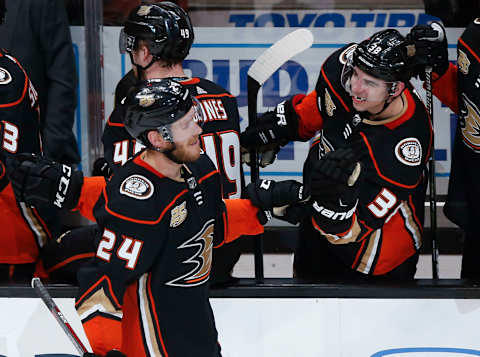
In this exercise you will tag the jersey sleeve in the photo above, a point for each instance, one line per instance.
(309, 117)
(19, 109)
(91, 190)
(445, 88)
(240, 218)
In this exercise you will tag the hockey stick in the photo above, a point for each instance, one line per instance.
(431, 178)
(431, 164)
(260, 70)
(62, 321)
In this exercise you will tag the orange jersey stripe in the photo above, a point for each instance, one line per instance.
(71, 259)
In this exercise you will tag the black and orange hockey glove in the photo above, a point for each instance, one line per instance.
(277, 199)
(39, 181)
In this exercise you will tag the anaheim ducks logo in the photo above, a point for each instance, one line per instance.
(144, 10)
(201, 259)
(137, 186)
(179, 213)
(347, 54)
(145, 100)
(329, 106)
(409, 151)
(470, 124)
(463, 62)
(5, 76)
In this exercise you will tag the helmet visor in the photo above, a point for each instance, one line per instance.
(364, 87)
(126, 43)
(189, 125)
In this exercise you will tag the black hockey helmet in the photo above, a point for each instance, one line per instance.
(154, 104)
(3, 10)
(383, 56)
(165, 27)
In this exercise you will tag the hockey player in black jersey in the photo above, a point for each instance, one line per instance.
(159, 216)
(158, 37)
(23, 229)
(368, 228)
(458, 87)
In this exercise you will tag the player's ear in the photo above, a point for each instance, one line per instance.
(144, 51)
(399, 88)
(156, 139)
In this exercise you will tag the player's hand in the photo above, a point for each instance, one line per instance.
(266, 155)
(39, 181)
(334, 174)
(431, 49)
(278, 126)
(274, 198)
(101, 168)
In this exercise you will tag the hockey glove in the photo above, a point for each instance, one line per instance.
(272, 130)
(274, 198)
(101, 168)
(266, 155)
(333, 175)
(431, 49)
(39, 181)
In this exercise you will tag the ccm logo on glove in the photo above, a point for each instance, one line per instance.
(63, 186)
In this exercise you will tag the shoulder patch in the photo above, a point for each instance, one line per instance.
(463, 62)
(347, 53)
(5, 76)
(137, 186)
(329, 105)
(409, 152)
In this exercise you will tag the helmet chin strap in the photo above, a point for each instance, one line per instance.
(386, 103)
(167, 136)
(141, 69)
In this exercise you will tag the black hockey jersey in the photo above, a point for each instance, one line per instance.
(463, 188)
(23, 229)
(220, 138)
(19, 108)
(385, 227)
(153, 258)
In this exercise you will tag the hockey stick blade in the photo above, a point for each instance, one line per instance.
(260, 70)
(43, 294)
(279, 53)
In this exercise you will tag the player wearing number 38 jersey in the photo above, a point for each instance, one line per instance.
(369, 228)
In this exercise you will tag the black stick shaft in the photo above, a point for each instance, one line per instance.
(432, 183)
(252, 91)
(57, 314)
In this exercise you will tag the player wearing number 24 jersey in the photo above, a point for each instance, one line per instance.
(219, 140)
(159, 216)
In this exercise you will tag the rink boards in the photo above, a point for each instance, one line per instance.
(282, 319)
